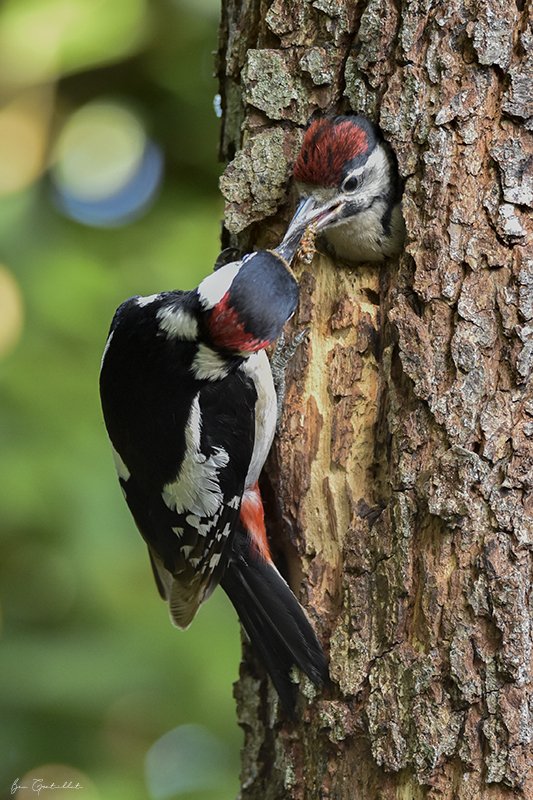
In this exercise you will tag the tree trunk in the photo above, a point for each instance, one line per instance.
(400, 490)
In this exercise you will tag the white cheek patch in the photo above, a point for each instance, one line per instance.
(209, 365)
(177, 323)
(375, 172)
(375, 157)
(213, 288)
(197, 488)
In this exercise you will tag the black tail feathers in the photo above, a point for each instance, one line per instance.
(275, 622)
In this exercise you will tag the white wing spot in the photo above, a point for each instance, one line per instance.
(196, 489)
(203, 530)
(178, 532)
(214, 560)
(224, 533)
(177, 323)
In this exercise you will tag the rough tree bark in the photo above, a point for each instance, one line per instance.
(412, 395)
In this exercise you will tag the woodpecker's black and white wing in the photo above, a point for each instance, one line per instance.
(182, 447)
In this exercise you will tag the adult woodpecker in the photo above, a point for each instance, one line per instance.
(190, 409)
(347, 178)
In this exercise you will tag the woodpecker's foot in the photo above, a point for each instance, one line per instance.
(278, 365)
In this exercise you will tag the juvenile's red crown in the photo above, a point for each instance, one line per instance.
(328, 145)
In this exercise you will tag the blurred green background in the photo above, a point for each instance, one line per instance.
(108, 188)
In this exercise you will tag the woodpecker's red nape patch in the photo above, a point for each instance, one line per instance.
(227, 329)
(252, 518)
(328, 145)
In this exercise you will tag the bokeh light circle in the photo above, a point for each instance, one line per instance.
(106, 169)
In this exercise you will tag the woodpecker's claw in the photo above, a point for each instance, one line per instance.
(278, 366)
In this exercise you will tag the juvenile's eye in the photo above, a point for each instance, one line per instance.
(350, 184)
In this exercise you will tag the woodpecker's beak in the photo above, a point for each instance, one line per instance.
(311, 211)
(318, 212)
(293, 235)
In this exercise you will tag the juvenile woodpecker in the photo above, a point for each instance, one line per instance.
(190, 409)
(348, 181)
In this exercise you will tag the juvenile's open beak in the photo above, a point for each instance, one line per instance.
(316, 211)
(309, 211)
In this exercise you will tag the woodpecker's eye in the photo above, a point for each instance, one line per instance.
(350, 184)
